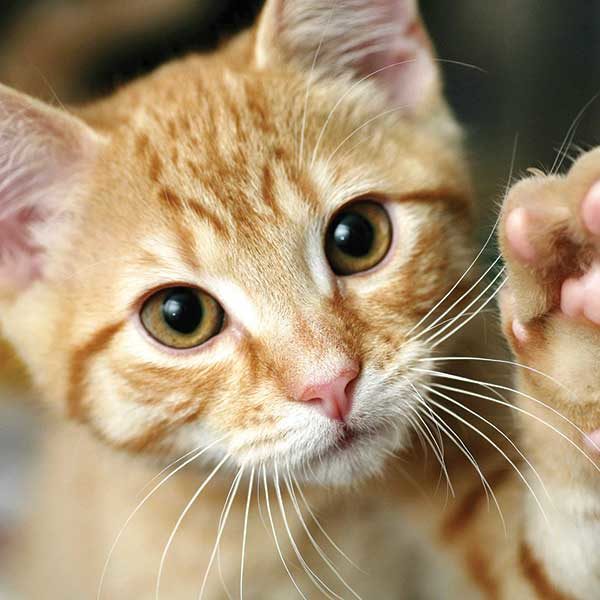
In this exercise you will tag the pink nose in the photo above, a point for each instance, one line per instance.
(334, 397)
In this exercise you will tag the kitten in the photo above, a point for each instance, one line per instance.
(259, 262)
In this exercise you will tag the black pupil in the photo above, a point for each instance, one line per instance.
(182, 310)
(353, 234)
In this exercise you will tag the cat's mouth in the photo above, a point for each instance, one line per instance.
(350, 437)
(347, 438)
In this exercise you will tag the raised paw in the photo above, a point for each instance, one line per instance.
(550, 241)
(550, 238)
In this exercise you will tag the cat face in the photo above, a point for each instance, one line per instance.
(236, 250)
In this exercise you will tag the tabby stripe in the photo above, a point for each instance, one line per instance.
(456, 200)
(156, 167)
(480, 571)
(470, 505)
(536, 575)
(176, 203)
(80, 361)
(268, 192)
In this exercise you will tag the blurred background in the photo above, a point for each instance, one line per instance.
(528, 74)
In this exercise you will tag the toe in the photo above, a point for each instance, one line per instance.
(519, 331)
(572, 297)
(591, 308)
(518, 233)
(590, 210)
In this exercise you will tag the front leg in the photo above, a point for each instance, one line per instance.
(550, 239)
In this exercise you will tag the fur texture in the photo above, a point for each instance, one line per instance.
(223, 172)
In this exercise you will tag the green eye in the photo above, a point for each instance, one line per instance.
(358, 237)
(182, 317)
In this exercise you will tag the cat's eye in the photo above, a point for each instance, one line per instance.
(358, 238)
(182, 317)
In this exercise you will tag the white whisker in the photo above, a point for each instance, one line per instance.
(310, 79)
(198, 454)
(524, 395)
(556, 165)
(275, 538)
(477, 257)
(245, 533)
(370, 76)
(439, 386)
(495, 360)
(361, 127)
(459, 443)
(319, 583)
(311, 538)
(423, 404)
(321, 528)
(481, 294)
(458, 301)
(491, 442)
(469, 319)
(221, 527)
(179, 521)
(163, 471)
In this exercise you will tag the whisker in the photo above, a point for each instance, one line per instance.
(520, 410)
(139, 506)
(245, 533)
(496, 360)
(439, 386)
(319, 583)
(275, 538)
(458, 301)
(524, 395)
(361, 127)
(179, 521)
(556, 165)
(479, 254)
(221, 527)
(449, 319)
(423, 403)
(491, 284)
(491, 442)
(311, 538)
(469, 319)
(163, 471)
(258, 502)
(321, 528)
(459, 443)
(419, 425)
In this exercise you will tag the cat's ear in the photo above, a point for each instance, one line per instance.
(45, 154)
(383, 40)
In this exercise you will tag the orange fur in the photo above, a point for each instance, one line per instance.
(203, 175)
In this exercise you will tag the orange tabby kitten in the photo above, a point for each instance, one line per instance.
(258, 262)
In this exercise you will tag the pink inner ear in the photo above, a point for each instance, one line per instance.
(380, 39)
(45, 154)
(406, 67)
(19, 255)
